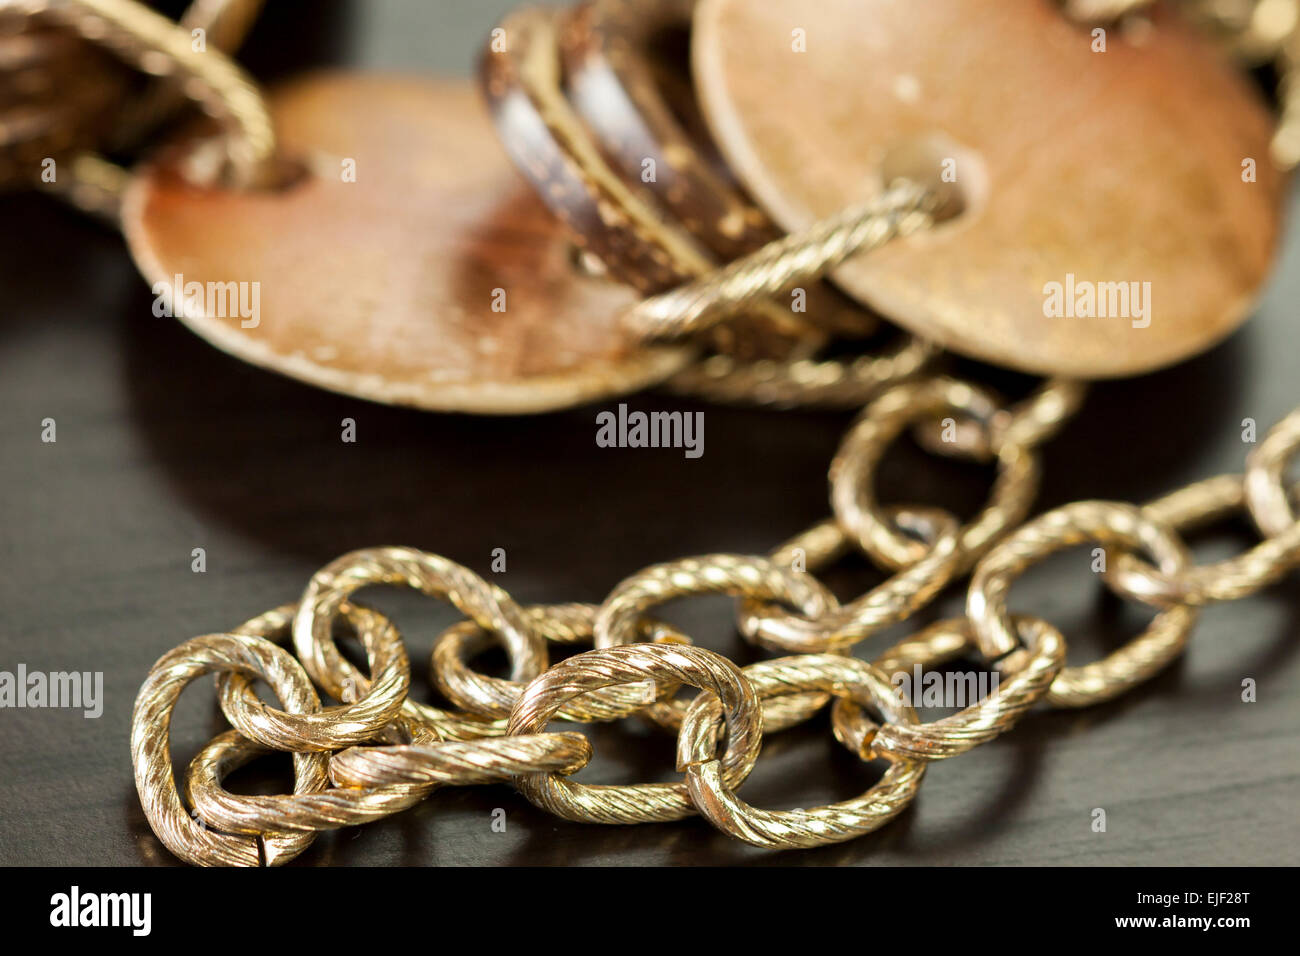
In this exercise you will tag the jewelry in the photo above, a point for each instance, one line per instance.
(961, 260)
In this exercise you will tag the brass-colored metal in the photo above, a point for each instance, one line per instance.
(434, 575)
(714, 795)
(1050, 194)
(619, 223)
(495, 697)
(460, 763)
(363, 716)
(382, 752)
(247, 652)
(225, 24)
(830, 383)
(155, 45)
(852, 495)
(636, 663)
(312, 807)
(1109, 524)
(1227, 580)
(737, 575)
(895, 600)
(977, 724)
(1266, 493)
(1029, 422)
(58, 94)
(378, 751)
(904, 209)
(432, 278)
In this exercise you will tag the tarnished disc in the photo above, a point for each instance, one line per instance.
(1087, 174)
(410, 264)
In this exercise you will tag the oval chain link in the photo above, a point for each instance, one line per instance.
(379, 751)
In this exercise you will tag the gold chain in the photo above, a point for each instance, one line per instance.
(379, 752)
(376, 751)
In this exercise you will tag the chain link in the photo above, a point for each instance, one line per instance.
(375, 751)
(379, 752)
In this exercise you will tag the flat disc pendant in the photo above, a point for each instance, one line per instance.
(1111, 227)
(410, 265)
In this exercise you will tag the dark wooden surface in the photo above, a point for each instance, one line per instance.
(164, 445)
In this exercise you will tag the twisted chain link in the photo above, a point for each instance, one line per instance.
(158, 46)
(374, 750)
(378, 752)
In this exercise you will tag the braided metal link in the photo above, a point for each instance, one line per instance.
(425, 746)
(1263, 493)
(495, 697)
(311, 808)
(340, 784)
(634, 663)
(1105, 522)
(738, 575)
(491, 760)
(1228, 580)
(332, 727)
(893, 601)
(975, 725)
(803, 382)
(1029, 422)
(853, 468)
(225, 24)
(715, 795)
(1266, 494)
(249, 653)
(690, 309)
(901, 210)
(484, 603)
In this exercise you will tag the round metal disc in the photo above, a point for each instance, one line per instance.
(410, 264)
(1098, 172)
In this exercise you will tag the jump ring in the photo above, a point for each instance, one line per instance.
(495, 697)
(484, 603)
(1266, 493)
(312, 807)
(769, 626)
(1190, 507)
(633, 663)
(1110, 524)
(978, 723)
(853, 468)
(331, 728)
(738, 575)
(715, 796)
(155, 782)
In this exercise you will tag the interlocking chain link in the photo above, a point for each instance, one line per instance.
(374, 750)
(378, 752)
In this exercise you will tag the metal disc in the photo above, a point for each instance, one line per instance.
(410, 264)
(1097, 172)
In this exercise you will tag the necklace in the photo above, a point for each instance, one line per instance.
(1071, 225)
